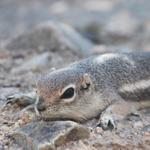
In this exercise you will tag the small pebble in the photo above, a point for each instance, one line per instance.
(117, 142)
(93, 135)
(132, 132)
(137, 125)
(146, 128)
(146, 134)
(99, 130)
(121, 134)
(129, 137)
(5, 147)
(1, 133)
(82, 145)
(107, 133)
(138, 132)
(16, 126)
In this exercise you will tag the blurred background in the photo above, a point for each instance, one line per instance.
(117, 23)
(37, 35)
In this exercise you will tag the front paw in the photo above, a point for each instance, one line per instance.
(20, 99)
(107, 123)
(13, 99)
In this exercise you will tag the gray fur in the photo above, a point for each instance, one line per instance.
(126, 68)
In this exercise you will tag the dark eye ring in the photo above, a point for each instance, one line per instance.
(87, 86)
(68, 93)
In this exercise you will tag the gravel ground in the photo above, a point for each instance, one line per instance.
(122, 25)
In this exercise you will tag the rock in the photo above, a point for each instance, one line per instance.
(99, 130)
(137, 125)
(82, 145)
(146, 128)
(34, 64)
(48, 135)
(146, 134)
(121, 134)
(117, 142)
(118, 28)
(53, 36)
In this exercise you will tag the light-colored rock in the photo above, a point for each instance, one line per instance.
(117, 142)
(99, 130)
(137, 125)
(49, 135)
(121, 134)
(34, 64)
(55, 36)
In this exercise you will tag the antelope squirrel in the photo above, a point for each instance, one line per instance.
(111, 85)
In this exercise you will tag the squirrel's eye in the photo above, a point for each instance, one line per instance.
(68, 93)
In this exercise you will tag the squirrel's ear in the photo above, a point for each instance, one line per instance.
(86, 81)
(52, 69)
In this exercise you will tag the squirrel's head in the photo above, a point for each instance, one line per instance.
(64, 94)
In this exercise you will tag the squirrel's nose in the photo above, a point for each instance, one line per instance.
(40, 105)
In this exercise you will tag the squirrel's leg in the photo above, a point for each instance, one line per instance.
(22, 99)
(117, 111)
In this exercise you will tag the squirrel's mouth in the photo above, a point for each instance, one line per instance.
(36, 111)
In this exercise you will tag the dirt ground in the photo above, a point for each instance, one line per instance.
(112, 26)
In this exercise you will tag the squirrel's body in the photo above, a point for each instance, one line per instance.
(113, 85)
(124, 74)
